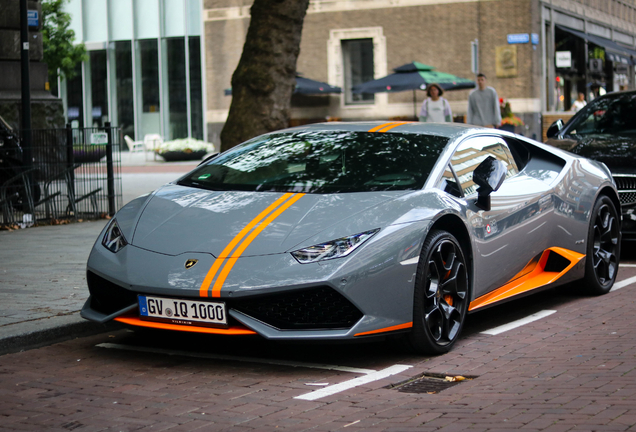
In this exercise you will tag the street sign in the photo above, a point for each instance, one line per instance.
(535, 38)
(519, 38)
(563, 59)
(621, 68)
(99, 138)
(33, 19)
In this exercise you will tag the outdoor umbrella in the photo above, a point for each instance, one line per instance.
(413, 76)
(307, 86)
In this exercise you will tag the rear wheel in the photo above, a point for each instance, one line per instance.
(603, 247)
(441, 295)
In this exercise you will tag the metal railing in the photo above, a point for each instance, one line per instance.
(75, 174)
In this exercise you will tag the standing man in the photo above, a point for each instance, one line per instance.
(483, 105)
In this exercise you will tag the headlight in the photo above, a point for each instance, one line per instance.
(334, 249)
(114, 240)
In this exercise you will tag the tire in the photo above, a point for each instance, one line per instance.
(441, 295)
(603, 248)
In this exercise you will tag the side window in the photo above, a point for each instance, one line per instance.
(472, 152)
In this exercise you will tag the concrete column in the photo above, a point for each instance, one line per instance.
(551, 66)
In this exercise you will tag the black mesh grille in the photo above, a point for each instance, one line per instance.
(627, 197)
(315, 308)
(107, 297)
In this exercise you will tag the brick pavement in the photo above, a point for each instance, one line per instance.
(574, 370)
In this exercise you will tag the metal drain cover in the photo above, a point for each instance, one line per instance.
(426, 384)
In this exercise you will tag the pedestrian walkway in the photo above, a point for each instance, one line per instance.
(42, 269)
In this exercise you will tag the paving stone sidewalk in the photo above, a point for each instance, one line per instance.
(42, 269)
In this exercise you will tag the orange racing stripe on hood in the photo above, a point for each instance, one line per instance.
(205, 286)
(216, 289)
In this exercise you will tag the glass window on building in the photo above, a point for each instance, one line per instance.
(358, 68)
(75, 99)
(99, 88)
(144, 69)
(151, 109)
(196, 91)
(124, 84)
(177, 92)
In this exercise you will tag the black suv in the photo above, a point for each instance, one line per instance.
(605, 130)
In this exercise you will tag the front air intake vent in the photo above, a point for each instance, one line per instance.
(107, 297)
(314, 308)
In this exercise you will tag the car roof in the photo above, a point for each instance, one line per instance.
(611, 95)
(448, 130)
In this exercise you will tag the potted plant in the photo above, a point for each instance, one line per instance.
(88, 153)
(509, 121)
(186, 149)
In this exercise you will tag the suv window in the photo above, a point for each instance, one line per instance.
(608, 115)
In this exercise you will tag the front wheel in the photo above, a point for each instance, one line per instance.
(441, 295)
(603, 247)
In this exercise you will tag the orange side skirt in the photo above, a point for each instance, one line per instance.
(386, 329)
(131, 320)
(537, 278)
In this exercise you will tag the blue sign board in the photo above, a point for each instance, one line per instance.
(519, 38)
(33, 19)
(535, 38)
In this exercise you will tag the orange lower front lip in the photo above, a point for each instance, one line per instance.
(233, 331)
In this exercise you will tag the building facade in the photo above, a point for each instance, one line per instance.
(513, 42)
(145, 67)
(46, 110)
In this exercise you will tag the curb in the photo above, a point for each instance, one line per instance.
(34, 334)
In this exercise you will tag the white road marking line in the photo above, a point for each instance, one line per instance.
(519, 323)
(626, 265)
(237, 358)
(346, 385)
(623, 283)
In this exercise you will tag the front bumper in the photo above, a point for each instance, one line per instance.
(271, 295)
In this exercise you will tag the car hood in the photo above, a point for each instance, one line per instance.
(180, 219)
(617, 152)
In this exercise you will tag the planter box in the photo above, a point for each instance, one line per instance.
(89, 153)
(174, 156)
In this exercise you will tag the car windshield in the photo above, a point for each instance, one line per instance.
(609, 115)
(322, 162)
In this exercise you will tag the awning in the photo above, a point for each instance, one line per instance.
(613, 51)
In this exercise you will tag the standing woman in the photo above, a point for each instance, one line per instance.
(435, 108)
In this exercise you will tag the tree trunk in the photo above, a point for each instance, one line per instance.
(264, 79)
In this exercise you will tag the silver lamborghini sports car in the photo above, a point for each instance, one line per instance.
(353, 230)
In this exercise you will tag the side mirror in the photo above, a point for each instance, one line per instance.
(489, 175)
(554, 129)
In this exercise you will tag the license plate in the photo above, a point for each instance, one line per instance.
(183, 312)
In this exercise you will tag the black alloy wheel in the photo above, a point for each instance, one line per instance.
(441, 295)
(603, 248)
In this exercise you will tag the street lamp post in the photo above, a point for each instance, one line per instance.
(26, 90)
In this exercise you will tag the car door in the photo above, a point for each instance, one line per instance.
(514, 230)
